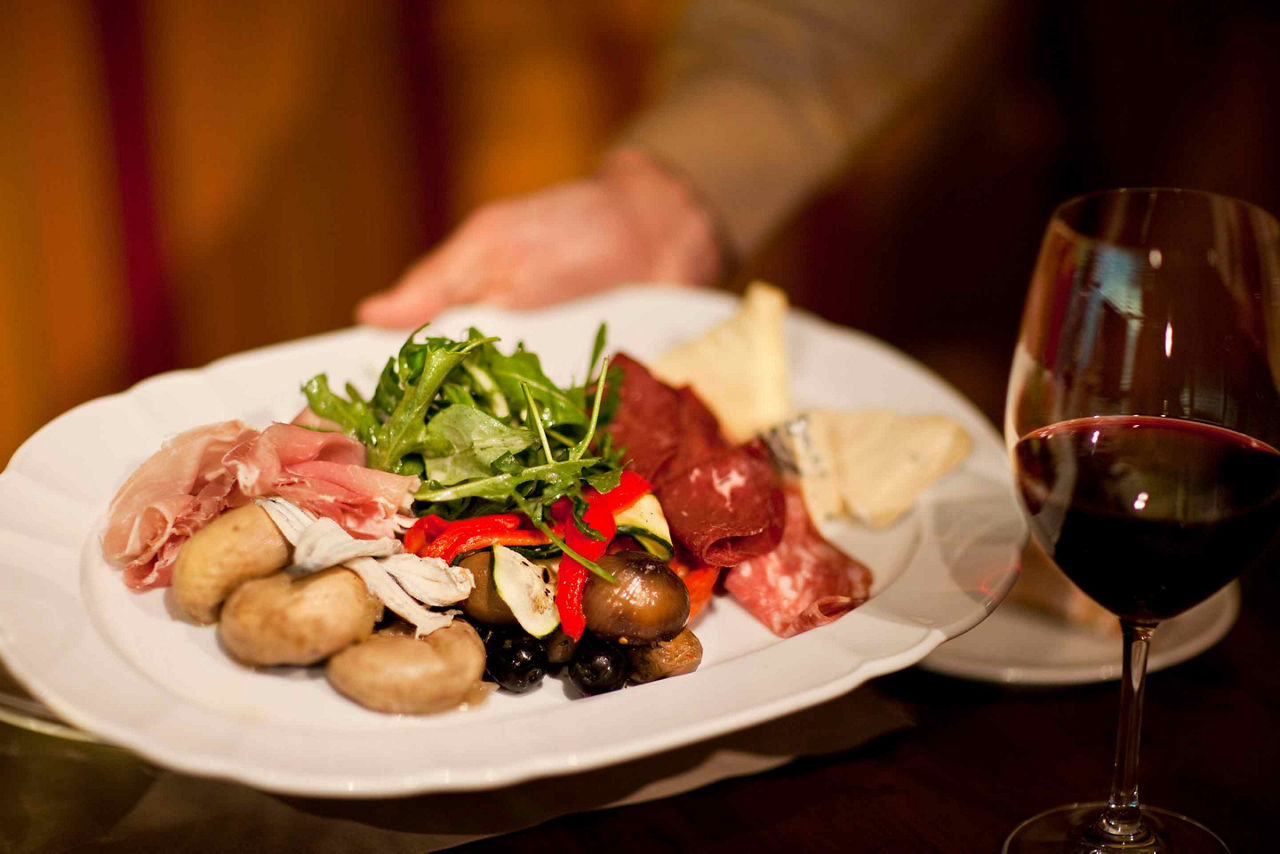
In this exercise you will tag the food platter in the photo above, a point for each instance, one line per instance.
(119, 665)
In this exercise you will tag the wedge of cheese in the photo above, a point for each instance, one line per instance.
(883, 460)
(805, 453)
(739, 368)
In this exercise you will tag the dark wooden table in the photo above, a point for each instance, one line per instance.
(983, 758)
(978, 760)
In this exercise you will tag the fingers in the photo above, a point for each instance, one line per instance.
(422, 293)
(563, 242)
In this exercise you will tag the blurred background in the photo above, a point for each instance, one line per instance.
(183, 180)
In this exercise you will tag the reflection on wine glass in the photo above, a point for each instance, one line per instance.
(1143, 419)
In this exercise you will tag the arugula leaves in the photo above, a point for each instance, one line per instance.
(487, 431)
(465, 442)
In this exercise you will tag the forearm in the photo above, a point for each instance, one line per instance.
(765, 100)
(677, 230)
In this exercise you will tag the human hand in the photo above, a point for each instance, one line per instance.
(631, 221)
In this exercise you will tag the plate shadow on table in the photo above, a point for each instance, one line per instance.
(95, 797)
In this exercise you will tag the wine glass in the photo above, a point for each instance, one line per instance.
(1143, 419)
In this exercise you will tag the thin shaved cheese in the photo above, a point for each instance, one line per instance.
(429, 580)
(383, 586)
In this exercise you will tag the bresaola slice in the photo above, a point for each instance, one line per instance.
(647, 420)
(728, 507)
(722, 502)
(804, 583)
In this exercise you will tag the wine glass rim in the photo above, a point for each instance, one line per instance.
(1060, 220)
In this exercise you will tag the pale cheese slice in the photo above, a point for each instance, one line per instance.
(884, 460)
(804, 452)
(738, 368)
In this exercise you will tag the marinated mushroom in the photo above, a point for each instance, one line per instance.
(649, 603)
(682, 654)
(283, 620)
(484, 604)
(397, 673)
(239, 545)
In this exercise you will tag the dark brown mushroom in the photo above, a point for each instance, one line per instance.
(649, 603)
(682, 654)
(484, 604)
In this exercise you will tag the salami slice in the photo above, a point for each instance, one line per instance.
(805, 582)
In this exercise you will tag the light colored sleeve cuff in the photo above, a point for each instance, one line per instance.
(766, 100)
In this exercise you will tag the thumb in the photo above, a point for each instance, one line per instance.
(418, 297)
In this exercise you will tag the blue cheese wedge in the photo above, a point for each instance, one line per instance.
(883, 460)
(802, 450)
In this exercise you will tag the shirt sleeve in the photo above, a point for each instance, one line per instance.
(765, 99)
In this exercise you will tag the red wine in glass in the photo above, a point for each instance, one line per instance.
(1142, 420)
(1150, 515)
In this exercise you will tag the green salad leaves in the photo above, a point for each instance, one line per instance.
(487, 432)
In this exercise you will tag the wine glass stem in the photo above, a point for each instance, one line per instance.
(1121, 821)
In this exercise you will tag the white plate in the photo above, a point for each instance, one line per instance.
(1017, 645)
(118, 665)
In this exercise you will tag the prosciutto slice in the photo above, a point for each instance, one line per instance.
(170, 496)
(198, 474)
(805, 582)
(308, 418)
(325, 474)
(723, 502)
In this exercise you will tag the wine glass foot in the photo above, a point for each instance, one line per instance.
(1066, 830)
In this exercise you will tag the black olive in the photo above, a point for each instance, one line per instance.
(515, 660)
(559, 647)
(598, 666)
(482, 629)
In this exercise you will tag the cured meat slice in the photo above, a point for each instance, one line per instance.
(645, 422)
(170, 496)
(308, 418)
(199, 473)
(722, 502)
(805, 582)
(323, 473)
(726, 508)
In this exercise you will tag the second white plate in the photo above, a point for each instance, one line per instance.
(1017, 645)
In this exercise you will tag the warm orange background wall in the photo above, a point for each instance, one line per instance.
(300, 154)
(263, 165)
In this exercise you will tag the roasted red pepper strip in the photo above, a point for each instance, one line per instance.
(699, 577)
(501, 538)
(460, 530)
(598, 517)
(426, 529)
(630, 489)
